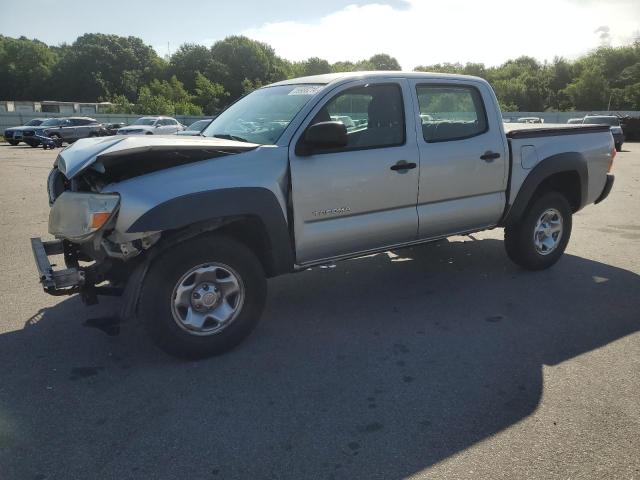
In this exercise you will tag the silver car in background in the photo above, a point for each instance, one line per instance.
(152, 126)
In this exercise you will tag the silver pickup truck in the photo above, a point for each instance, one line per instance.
(300, 173)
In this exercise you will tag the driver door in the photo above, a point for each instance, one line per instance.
(356, 198)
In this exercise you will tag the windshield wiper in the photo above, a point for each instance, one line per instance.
(228, 136)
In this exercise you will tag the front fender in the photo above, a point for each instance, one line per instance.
(196, 208)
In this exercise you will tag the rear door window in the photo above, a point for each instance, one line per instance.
(450, 112)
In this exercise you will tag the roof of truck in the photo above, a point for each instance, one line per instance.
(327, 78)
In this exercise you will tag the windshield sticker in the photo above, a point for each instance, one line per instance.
(306, 90)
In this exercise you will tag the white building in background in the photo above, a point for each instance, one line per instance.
(52, 106)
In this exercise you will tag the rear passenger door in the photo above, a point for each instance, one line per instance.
(362, 196)
(81, 129)
(463, 157)
(67, 130)
(167, 126)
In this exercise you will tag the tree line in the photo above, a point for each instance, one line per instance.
(197, 80)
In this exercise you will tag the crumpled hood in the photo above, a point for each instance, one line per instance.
(85, 152)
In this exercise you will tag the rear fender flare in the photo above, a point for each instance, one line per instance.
(562, 162)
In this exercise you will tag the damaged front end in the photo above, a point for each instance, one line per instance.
(100, 259)
(96, 259)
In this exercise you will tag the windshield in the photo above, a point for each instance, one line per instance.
(52, 122)
(144, 121)
(611, 121)
(261, 116)
(33, 123)
(199, 125)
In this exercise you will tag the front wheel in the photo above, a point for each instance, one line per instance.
(12, 142)
(539, 238)
(203, 297)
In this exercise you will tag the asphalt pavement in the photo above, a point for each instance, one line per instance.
(439, 361)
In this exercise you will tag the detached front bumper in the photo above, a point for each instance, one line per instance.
(55, 282)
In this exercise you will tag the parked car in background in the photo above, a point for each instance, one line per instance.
(530, 120)
(152, 126)
(112, 128)
(196, 127)
(64, 129)
(614, 124)
(630, 127)
(13, 135)
(573, 121)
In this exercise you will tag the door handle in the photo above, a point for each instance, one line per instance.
(489, 156)
(403, 165)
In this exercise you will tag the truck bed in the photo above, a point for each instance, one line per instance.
(529, 130)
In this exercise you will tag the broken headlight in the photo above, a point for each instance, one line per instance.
(76, 216)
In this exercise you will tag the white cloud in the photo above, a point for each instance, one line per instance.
(427, 32)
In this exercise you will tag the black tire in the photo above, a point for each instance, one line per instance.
(56, 138)
(166, 272)
(32, 143)
(519, 237)
(13, 143)
(618, 147)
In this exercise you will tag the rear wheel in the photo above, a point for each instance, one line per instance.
(539, 238)
(12, 142)
(32, 143)
(203, 297)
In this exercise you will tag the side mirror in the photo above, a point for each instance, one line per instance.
(323, 136)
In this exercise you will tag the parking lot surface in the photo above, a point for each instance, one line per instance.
(439, 361)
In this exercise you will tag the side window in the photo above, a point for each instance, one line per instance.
(450, 112)
(79, 122)
(373, 115)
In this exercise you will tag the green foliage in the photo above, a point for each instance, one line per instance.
(98, 65)
(382, 61)
(244, 58)
(590, 90)
(25, 68)
(604, 79)
(121, 104)
(150, 104)
(248, 86)
(311, 66)
(197, 78)
(209, 96)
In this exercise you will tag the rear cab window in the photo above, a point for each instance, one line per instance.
(451, 112)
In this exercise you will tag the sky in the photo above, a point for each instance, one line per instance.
(416, 32)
